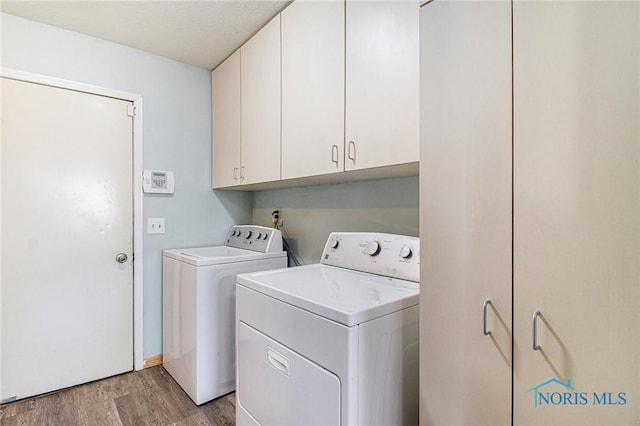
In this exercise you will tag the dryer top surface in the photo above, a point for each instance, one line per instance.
(345, 296)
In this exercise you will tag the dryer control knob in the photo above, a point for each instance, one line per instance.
(259, 235)
(249, 233)
(333, 242)
(405, 252)
(373, 249)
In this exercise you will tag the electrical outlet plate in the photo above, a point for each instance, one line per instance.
(155, 225)
(277, 210)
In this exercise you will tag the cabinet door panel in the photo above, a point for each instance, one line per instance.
(577, 218)
(465, 204)
(260, 95)
(382, 83)
(312, 88)
(225, 104)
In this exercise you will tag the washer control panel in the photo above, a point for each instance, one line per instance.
(391, 255)
(254, 237)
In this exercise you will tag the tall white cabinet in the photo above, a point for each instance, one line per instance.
(573, 216)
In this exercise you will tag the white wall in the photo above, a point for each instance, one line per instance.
(311, 213)
(176, 132)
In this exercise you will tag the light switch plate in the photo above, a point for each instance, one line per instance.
(155, 225)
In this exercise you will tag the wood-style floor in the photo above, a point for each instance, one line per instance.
(147, 397)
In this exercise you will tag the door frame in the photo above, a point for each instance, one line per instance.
(138, 356)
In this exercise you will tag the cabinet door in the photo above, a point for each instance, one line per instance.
(576, 210)
(465, 205)
(225, 104)
(382, 83)
(312, 88)
(260, 105)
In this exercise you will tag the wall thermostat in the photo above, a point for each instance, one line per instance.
(158, 182)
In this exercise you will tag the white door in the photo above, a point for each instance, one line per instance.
(66, 198)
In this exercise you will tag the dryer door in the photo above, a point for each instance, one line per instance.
(277, 386)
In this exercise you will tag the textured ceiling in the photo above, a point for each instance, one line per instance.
(202, 33)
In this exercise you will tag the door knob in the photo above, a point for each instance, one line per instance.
(121, 258)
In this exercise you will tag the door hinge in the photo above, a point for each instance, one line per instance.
(131, 110)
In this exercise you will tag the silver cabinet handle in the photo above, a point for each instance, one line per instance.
(484, 317)
(241, 174)
(235, 173)
(534, 320)
(334, 154)
(352, 157)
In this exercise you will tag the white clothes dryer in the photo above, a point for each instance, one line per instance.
(335, 343)
(198, 307)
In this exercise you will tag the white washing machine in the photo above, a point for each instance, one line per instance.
(335, 343)
(198, 307)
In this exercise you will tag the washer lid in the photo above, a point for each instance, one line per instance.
(342, 295)
(202, 256)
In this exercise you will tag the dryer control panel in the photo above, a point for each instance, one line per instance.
(395, 256)
(254, 237)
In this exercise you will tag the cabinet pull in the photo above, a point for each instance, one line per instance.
(241, 174)
(334, 154)
(235, 173)
(352, 157)
(484, 317)
(534, 320)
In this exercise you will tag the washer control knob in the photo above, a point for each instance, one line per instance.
(265, 236)
(373, 248)
(405, 252)
(249, 233)
(333, 242)
(259, 235)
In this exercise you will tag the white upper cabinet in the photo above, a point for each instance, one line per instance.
(312, 88)
(260, 105)
(382, 83)
(325, 87)
(225, 83)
